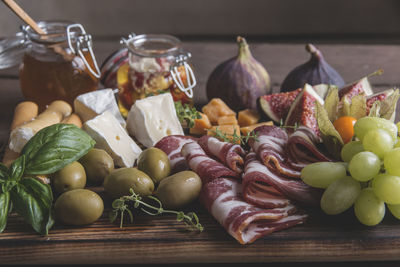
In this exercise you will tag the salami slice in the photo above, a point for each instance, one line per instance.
(270, 147)
(206, 167)
(297, 190)
(172, 146)
(229, 154)
(244, 221)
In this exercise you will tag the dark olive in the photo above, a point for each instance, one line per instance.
(179, 190)
(98, 164)
(155, 163)
(119, 181)
(78, 207)
(70, 177)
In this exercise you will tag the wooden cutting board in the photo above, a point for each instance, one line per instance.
(161, 239)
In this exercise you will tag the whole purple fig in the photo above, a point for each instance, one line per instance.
(315, 71)
(239, 81)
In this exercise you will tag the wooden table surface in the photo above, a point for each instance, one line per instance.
(162, 239)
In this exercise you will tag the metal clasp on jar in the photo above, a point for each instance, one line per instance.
(83, 41)
(191, 82)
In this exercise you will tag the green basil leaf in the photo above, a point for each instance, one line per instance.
(4, 208)
(3, 172)
(17, 168)
(33, 201)
(54, 147)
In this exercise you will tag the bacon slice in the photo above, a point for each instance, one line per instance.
(264, 196)
(302, 148)
(270, 147)
(244, 221)
(206, 167)
(297, 190)
(172, 146)
(229, 154)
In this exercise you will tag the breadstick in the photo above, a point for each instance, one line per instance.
(73, 119)
(23, 113)
(54, 113)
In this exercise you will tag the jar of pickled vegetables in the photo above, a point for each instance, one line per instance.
(57, 65)
(156, 64)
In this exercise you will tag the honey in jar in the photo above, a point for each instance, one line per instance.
(52, 69)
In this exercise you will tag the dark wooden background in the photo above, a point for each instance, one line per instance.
(267, 19)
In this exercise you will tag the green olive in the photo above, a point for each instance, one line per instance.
(155, 163)
(179, 190)
(70, 177)
(78, 207)
(119, 181)
(98, 164)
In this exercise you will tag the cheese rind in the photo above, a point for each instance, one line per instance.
(92, 104)
(152, 118)
(113, 138)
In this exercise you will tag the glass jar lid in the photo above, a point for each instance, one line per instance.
(13, 49)
(152, 45)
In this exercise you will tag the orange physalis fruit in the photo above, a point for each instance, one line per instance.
(345, 127)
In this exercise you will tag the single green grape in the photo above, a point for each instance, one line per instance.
(322, 174)
(368, 208)
(350, 149)
(340, 195)
(398, 143)
(364, 166)
(391, 161)
(395, 210)
(387, 188)
(378, 141)
(365, 124)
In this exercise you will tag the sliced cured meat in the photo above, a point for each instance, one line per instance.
(270, 147)
(264, 196)
(302, 148)
(294, 189)
(172, 146)
(244, 221)
(229, 154)
(206, 167)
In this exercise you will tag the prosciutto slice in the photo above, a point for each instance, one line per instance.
(207, 168)
(297, 190)
(270, 147)
(302, 148)
(172, 146)
(244, 221)
(229, 154)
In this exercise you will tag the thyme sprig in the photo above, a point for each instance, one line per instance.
(121, 206)
(234, 138)
(186, 114)
(294, 127)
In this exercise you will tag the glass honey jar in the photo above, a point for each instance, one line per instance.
(57, 65)
(156, 63)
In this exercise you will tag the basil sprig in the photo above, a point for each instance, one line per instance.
(51, 149)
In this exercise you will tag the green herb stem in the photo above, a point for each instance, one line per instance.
(120, 207)
(234, 138)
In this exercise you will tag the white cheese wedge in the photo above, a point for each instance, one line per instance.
(110, 136)
(92, 104)
(152, 118)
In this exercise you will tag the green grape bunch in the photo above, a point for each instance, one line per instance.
(368, 178)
